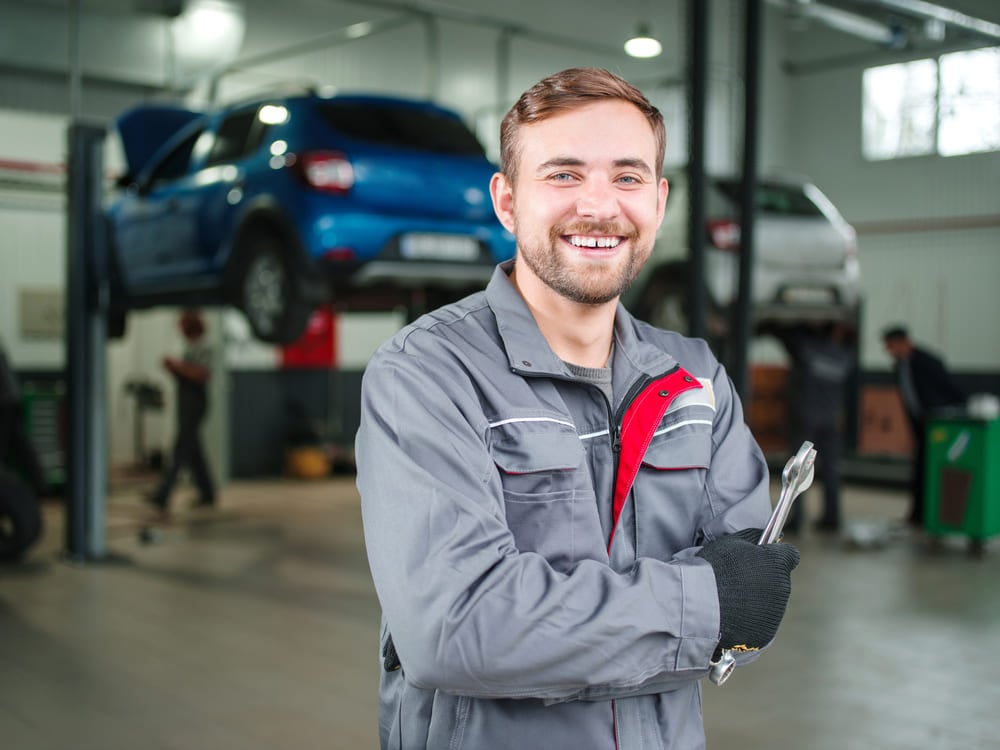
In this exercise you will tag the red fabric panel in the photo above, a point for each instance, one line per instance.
(638, 425)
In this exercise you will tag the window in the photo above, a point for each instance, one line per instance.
(948, 106)
(232, 141)
(417, 128)
(175, 164)
(772, 198)
(969, 102)
(899, 103)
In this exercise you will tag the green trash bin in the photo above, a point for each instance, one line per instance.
(962, 477)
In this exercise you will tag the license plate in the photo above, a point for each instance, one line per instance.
(439, 247)
(808, 296)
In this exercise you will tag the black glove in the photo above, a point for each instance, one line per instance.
(754, 582)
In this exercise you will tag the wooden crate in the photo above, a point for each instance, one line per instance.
(883, 427)
(767, 412)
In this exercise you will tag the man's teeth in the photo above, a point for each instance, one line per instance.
(594, 241)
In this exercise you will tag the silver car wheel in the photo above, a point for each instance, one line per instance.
(264, 292)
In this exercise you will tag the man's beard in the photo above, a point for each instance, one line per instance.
(593, 285)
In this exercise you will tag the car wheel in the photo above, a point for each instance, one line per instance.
(20, 517)
(665, 305)
(270, 295)
(117, 323)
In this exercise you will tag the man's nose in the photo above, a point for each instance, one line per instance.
(597, 200)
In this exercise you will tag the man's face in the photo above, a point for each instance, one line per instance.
(897, 348)
(587, 203)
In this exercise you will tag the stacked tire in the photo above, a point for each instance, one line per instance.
(20, 517)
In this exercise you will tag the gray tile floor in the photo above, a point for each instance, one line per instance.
(255, 627)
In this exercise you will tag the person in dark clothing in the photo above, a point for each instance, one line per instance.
(822, 363)
(925, 385)
(191, 373)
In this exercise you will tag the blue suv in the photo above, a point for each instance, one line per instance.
(280, 204)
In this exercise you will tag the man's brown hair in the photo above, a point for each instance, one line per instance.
(561, 92)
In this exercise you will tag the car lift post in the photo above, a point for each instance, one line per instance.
(86, 336)
(741, 326)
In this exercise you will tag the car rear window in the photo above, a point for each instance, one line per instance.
(405, 127)
(773, 199)
(238, 135)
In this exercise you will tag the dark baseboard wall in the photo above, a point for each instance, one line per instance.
(271, 410)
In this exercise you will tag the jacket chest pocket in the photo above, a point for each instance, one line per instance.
(548, 498)
(671, 497)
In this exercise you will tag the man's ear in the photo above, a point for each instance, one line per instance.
(503, 200)
(662, 190)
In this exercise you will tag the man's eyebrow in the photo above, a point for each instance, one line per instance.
(560, 161)
(634, 163)
(572, 161)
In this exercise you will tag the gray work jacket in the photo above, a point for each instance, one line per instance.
(525, 615)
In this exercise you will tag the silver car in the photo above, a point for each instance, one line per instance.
(805, 266)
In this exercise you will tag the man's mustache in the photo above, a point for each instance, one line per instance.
(607, 228)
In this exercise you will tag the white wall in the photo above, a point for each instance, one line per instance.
(32, 229)
(916, 268)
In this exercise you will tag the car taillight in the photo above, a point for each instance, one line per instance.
(723, 233)
(339, 254)
(326, 170)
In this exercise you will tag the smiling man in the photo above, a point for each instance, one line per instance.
(561, 502)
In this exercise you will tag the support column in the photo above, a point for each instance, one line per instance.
(742, 323)
(86, 335)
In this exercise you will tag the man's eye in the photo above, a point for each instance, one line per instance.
(629, 179)
(562, 177)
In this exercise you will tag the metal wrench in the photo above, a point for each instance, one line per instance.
(795, 479)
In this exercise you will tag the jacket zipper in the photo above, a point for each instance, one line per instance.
(615, 424)
(634, 391)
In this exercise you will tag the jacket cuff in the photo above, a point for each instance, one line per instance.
(700, 623)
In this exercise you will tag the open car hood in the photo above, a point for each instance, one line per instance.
(144, 130)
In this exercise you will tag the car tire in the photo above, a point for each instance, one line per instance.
(117, 323)
(269, 293)
(20, 517)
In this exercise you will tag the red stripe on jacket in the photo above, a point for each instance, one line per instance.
(641, 419)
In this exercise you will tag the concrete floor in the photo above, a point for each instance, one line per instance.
(254, 627)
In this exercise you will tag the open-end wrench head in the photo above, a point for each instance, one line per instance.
(789, 472)
(806, 471)
(795, 479)
(806, 452)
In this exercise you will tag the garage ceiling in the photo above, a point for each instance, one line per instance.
(118, 36)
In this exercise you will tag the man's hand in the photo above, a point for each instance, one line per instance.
(186, 370)
(754, 583)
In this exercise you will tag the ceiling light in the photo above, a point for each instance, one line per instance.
(643, 44)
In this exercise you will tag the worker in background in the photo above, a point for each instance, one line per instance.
(191, 373)
(822, 362)
(924, 385)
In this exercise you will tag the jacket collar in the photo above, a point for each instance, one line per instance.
(529, 353)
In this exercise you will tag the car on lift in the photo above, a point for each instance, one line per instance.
(805, 263)
(281, 203)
